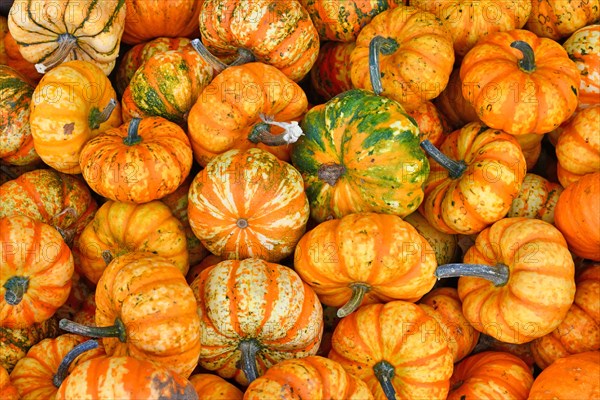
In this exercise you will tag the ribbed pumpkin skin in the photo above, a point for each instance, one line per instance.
(37, 252)
(98, 26)
(443, 304)
(578, 146)
(375, 142)
(432, 124)
(572, 377)
(149, 19)
(254, 299)
(580, 330)
(536, 199)
(379, 250)
(17, 62)
(230, 106)
(583, 47)
(401, 334)
(341, 21)
(141, 52)
(124, 378)
(512, 99)
(62, 109)
(468, 21)
(577, 216)
(16, 142)
(330, 75)
(14, 343)
(311, 377)
(453, 106)
(248, 204)
(444, 245)
(8, 390)
(277, 33)
(153, 300)
(484, 193)
(33, 374)
(168, 83)
(419, 69)
(213, 387)
(536, 255)
(557, 19)
(491, 375)
(49, 196)
(123, 227)
(141, 172)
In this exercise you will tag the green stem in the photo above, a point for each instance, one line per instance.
(455, 168)
(497, 274)
(384, 372)
(249, 348)
(527, 63)
(65, 364)
(244, 56)
(117, 330)
(97, 117)
(379, 45)
(330, 173)
(66, 43)
(358, 293)
(16, 287)
(133, 136)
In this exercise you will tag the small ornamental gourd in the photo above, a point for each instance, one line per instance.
(508, 259)
(365, 258)
(120, 228)
(520, 83)
(405, 54)
(15, 343)
(73, 103)
(445, 245)
(451, 103)
(360, 153)
(246, 106)
(583, 47)
(330, 75)
(558, 19)
(248, 204)
(536, 199)
(145, 309)
(49, 33)
(141, 161)
(8, 390)
(213, 387)
(36, 267)
(393, 349)
(254, 314)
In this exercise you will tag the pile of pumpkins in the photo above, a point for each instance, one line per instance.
(301, 199)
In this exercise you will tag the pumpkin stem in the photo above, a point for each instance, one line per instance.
(249, 348)
(63, 368)
(358, 293)
(261, 132)
(67, 234)
(455, 168)
(66, 43)
(527, 63)
(107, 256)
(384, 371)
(330, 173)
(497, 274)
(117, 330)
(244, 56)
(242, 223)
(16, 287)
(132, 132)
(98, 117)
(379, 45)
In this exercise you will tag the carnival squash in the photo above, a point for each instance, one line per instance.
(536, 199)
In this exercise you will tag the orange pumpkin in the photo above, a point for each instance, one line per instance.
(15, 343)
(432, 124)
(571, 377)
(394, 349)
(246, 106)
(520, 83)
(248, 204)
(416, 56)
(578, 146)
(213, 387)
(445, 246)
(536, 199)
(580, 330)
(119, 228)
(145, 309)
(312, 377)
(365, 258)
(531, 145)
(557, 19)
(254, 314)
(330, 75)
(36, 268)
(197, 269)
(451, 103)
(507, 260)
(8, 390)
(577, 216)
(17, 62)
(583, 47)
(491, 375)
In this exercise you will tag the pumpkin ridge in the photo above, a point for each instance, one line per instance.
(34, 195)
